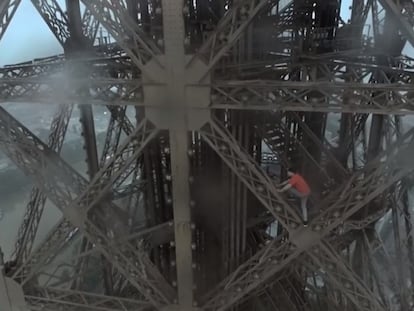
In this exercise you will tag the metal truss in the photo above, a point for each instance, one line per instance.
(358, 191)
(35, 207)
(90, 25)
(57, 239)
(393, 97)
(51, 299)
(275, 136)
(300, 96)
(255, 179)
(54, 17)
(130, 37)
(32, 81)
(344, 279)
(267, 56)
(7, 10)
(405, 21)
(28, 153)
(231, 28)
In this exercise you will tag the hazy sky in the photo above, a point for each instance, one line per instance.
(29, 37)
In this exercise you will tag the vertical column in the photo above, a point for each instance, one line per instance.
(174, 33)
(182, 216)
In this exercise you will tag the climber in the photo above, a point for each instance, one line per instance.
(297, 186)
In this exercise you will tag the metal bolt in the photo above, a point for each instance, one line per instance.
(187, 41)
(193, 226)
(173, 263)
(167, 150)
(193, 246)
(158, 10)
(317, 228)
(168, 201)
(168, 177)
(174, 284)
(160, 42)
(190, 152)
(172, 243)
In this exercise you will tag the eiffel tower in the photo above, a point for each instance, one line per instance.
(207, 105)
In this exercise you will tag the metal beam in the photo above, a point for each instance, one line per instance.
(230, 28)
(388, 168)
(90, 25)
(7, 10)
(300, 96)
(341, 276)
(34, 209)
(75, 199)
(253, 176)
(54, 17)
(55, 241)
(404, 22)
(112, 15)
(52, 299)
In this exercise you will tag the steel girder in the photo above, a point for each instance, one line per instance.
(359, 190)
(54, 17)
(344, 279)
(129, 36)
(7, 10)
(327, 108)
(300, 96)
(255, 179)
(75, 199)
(405, 21)
(231, 28)
(90, 25)
(52, 299)
(395, 97)
(34, 209)
(57, 239)
(41, 86)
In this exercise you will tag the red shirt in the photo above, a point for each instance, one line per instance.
(297, 182)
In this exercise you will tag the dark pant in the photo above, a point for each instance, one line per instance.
(303, 202)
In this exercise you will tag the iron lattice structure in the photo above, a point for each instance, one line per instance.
(179, 210)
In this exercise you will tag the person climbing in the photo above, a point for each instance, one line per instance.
(297, 186)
